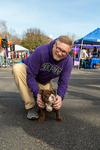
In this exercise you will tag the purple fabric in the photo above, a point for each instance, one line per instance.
(43, 68)
(6, 52)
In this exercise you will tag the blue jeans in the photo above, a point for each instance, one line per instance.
(7, 61)
(1, 60)
(82, 63)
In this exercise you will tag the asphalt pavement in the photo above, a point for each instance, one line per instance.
(80, 111)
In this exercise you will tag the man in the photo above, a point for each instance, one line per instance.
(95, 52)
(36, 72)
(83, 56)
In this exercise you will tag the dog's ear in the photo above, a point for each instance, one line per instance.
(41, 92)
(54, 92)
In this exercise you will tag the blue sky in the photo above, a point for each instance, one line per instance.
(52, 17)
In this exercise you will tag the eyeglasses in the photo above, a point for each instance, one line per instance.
(64, 53)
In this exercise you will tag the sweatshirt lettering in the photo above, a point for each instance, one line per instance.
(51, 68)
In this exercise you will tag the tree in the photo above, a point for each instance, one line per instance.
(72, 36)
(13, 37)
(3, 29)
(9, 35)
(33, 38)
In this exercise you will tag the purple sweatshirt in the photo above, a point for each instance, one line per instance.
(43, 68)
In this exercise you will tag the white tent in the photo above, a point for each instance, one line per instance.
(19, 48)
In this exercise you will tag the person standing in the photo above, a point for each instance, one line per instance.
(95, 52)
(83, 56)
(7, 60)
(79, 51)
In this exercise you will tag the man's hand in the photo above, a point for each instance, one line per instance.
(58, 103)
(40, 102)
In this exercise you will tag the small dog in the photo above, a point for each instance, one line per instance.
(48, 97)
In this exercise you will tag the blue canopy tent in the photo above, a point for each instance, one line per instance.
(93, 38)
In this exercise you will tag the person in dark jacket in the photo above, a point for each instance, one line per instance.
(47, 62)
(95, 52)
(7, 60)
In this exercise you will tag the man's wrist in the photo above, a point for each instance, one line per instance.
(38, 95)
(60, 97)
